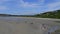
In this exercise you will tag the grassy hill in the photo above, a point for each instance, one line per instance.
(50, 14)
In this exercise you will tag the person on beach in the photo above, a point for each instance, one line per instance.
(44, 26)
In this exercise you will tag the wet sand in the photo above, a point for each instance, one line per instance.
(21, 25)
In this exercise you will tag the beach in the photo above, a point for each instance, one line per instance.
(24, 25)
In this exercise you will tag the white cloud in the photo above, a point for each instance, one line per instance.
(50, 6)
(3, 8)
(53, 6)
(21, 1)
(41, 1)
(27, 4)
(2, 1)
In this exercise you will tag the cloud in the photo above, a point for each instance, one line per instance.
(29, 7)
(41, 1)
(39, 4)
(53, 6)
(3, 8)
(27, 4)
(2, 1)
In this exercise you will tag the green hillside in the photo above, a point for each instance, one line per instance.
(50, 14)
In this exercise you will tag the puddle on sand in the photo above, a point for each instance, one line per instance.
(52, 29)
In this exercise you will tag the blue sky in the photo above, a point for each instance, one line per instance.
(28, 7)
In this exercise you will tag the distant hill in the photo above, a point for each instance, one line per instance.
(50, 14)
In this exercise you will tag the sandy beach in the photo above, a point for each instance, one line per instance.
(21, 25)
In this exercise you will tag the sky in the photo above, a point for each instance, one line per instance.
(28, 7)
